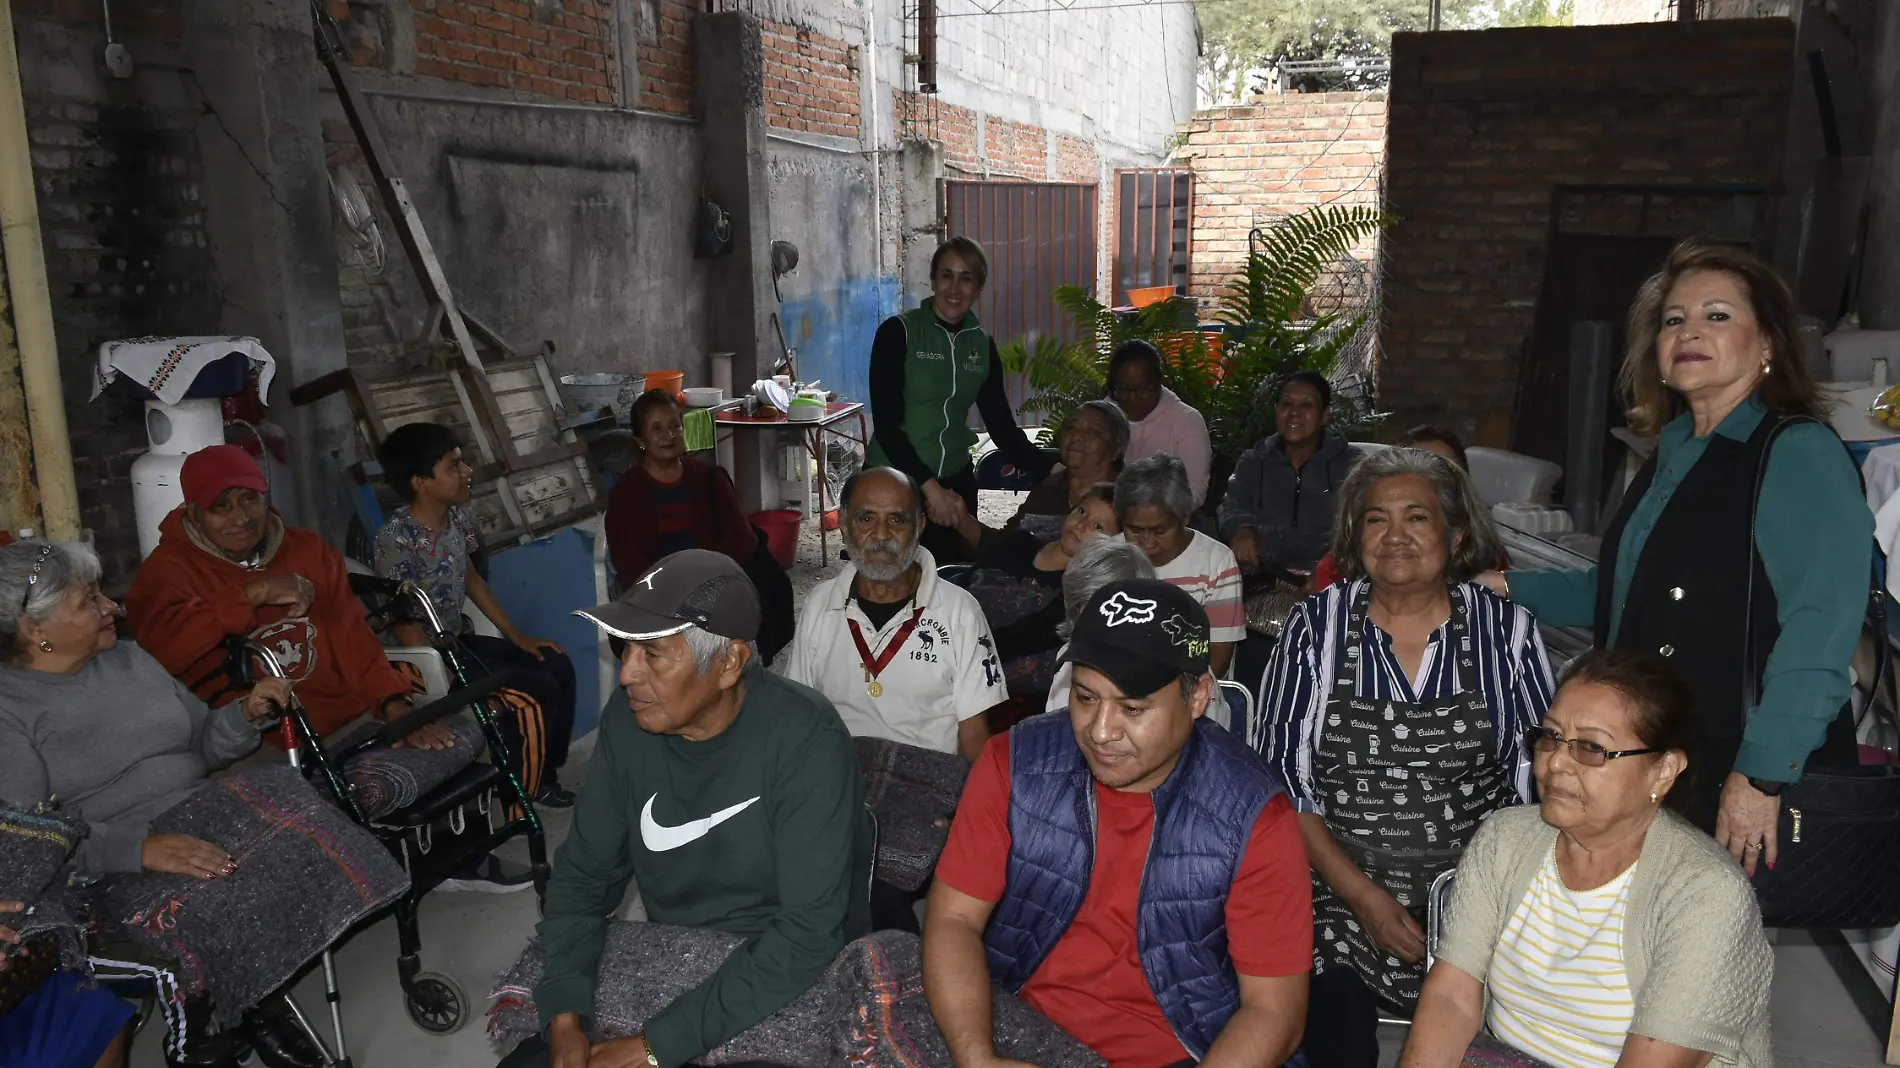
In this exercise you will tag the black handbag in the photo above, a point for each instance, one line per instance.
(1838, 833)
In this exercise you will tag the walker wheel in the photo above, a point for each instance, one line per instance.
(436, 1003)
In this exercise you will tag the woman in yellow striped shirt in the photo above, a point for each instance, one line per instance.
(1601, 929)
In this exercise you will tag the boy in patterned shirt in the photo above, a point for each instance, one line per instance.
(430, 541)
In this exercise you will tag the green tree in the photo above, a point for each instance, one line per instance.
(1244, 35)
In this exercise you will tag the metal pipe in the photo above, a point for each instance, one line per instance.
(32, 303)
(876, 137)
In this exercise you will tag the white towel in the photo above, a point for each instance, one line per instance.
(168, 365)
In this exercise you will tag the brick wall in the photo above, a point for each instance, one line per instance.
(117, 170)
(1016, 150)
(1076, 160)
(1485, 126)
(811, 81)
(665, 55)
(1272, 157)
(566, 52)
(930, 119)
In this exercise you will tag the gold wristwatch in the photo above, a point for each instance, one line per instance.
(652, 1061)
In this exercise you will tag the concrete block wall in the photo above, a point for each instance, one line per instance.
(1272, 157)
(118, 175)
(1484, 126)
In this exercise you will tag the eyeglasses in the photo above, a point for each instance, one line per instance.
(1582, 750)
(33, 577)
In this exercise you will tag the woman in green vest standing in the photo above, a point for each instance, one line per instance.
(928, 365)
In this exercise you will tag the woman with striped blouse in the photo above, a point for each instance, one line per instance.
(1395, 707)
(1601, 930)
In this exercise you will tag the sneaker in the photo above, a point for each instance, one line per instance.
(489, 876)
(554, 795)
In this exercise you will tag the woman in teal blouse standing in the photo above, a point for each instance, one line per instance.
(1746, 597)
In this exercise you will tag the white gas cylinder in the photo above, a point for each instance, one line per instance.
(175, 432)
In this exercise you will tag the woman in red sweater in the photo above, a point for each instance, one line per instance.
(668, 501)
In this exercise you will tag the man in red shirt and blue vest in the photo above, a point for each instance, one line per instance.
(1132, 871)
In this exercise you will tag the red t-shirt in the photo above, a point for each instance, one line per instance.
(1091, 984)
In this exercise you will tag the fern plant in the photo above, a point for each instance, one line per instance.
(1264, 337)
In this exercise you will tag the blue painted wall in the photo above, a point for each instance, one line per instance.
(832, 332)
(539, 584)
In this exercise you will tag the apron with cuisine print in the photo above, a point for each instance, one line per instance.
(1405, 786)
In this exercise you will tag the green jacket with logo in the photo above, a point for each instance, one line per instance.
(925, 376)
(943, 371)
(785, 860)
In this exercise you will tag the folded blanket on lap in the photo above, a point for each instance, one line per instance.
(867, 1011)
(305, 874)
(909, 789)
(385, 780)
(36, 845)
(1488, 1052)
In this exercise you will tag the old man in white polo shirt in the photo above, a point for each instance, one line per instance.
(902, 655)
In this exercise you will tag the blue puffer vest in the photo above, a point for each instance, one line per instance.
(1204, 815)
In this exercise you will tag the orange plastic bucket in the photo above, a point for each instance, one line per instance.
(781, 532)
(670, 381)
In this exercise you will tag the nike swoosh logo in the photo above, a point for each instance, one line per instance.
(660, 838)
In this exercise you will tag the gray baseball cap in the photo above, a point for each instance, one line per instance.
(691, 588)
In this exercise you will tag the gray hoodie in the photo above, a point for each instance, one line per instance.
(117, 744)
(1290, 511)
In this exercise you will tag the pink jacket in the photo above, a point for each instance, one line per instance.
(1174, 427)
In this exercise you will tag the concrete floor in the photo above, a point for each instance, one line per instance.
(472, 937)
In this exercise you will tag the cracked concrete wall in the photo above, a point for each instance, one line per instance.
(272, 255)
(569, 224)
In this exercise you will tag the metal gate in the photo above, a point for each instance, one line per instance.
(1038, 235)
(1154, 216)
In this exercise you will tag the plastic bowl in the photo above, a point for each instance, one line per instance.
(705, 396)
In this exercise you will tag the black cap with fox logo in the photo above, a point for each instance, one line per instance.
(1143, 634)
(691, 588)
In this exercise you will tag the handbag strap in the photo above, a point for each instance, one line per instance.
(1876, 618)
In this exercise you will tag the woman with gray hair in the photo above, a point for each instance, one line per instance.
(101, 725)
(1394, 707)
(1092, 441)
(1155, 504)
(1099, 563)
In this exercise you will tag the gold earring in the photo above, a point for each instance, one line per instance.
(45, 646)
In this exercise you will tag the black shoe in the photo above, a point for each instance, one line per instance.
(554, 795)
(489, 876)
(279, 1040)
(203, 1049)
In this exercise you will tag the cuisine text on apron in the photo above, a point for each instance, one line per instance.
(1405, 786)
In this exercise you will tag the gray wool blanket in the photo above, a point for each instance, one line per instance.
(36, 848)
(305, 874)
(910, 789)
(385, 780)
(867, 1011)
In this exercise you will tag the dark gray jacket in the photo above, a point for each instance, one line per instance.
(1291, 511)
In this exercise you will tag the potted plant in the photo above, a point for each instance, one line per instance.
(1231, 371)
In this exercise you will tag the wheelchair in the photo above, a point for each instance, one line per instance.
(451, 825)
